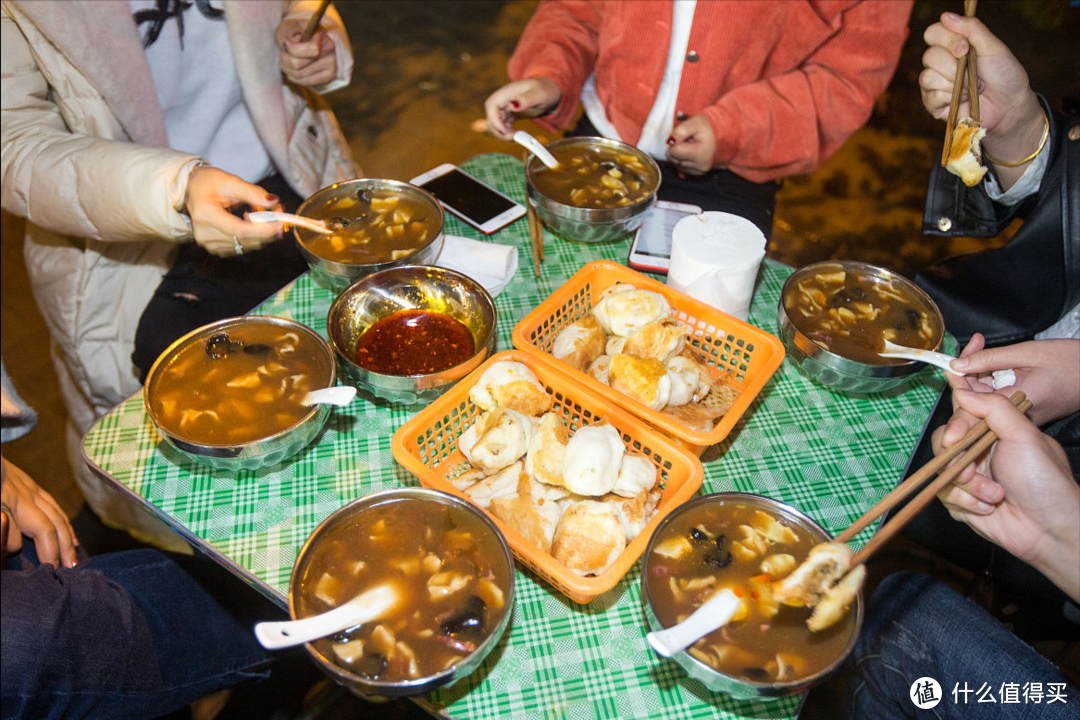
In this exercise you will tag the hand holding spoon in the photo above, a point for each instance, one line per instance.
(268, 216)
(365, 607)
(930, 357)
(714, 613)
(537, 148)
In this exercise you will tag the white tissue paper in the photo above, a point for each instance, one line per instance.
(715, 258)
(1003, 379)
(490, 264)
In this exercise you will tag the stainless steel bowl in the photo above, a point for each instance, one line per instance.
(420, 287)
(339, 275)
(265, 451)
(712, 678)
(374, 689)
(591, 224)
(836, 371)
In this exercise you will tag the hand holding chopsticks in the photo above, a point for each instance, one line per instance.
(308, 58)
(830, 578)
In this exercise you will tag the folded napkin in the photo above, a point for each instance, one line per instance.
(490, 264)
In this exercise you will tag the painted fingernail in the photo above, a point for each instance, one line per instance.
(671, 140)
(271, 198)
(515, 104)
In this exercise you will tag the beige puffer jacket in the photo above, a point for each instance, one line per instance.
(86, 162)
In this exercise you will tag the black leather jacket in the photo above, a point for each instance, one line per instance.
(1009, 293)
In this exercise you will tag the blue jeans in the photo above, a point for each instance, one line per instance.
(918, 627)
(122, 635)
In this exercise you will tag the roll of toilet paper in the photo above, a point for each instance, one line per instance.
(715, 258)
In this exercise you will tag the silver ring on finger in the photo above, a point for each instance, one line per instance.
(237, 246)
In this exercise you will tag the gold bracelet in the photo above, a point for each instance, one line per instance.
(1032, 156)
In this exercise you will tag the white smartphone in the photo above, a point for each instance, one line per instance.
(478, 204)
(651, 249)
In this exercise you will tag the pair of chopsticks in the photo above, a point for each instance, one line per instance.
(977, 440)
(536, 230)
(966, 64)
(313, 23)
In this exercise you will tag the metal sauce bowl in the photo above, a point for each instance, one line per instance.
(371, 688)
(591, 224)
(836, 371)
(711, 677)
(255, 454)
(420, 287)
(339, 275)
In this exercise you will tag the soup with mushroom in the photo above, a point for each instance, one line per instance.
(446, 564)
(594, 176)
(736, 544)
(371, 226)
(852, 314)
(240, 384)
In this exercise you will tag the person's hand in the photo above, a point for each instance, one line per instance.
(692, 146)
(37, 515)
(1008, 108)
(210, 195)
(1046, 371)
(1021, 494)
(312, 63)
(527, 98)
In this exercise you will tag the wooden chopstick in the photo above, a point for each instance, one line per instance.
(536, 234)
(313, 23)
(976, 442)
(973, 83)
(536, 228)
(958, 88)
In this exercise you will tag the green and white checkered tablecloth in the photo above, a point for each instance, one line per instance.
(828, 454)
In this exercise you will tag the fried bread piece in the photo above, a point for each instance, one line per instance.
(588, 539)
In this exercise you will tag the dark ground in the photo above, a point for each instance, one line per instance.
(423, 69)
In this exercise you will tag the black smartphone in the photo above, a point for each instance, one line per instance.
(478, 204)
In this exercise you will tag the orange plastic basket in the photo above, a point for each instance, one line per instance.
(427, 446)
(741, 358)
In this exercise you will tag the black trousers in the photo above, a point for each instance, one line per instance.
(717, 190)
(200, 288)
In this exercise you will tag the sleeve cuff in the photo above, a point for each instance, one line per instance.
(1027, 185)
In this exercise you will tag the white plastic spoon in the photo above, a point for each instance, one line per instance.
(268, 216)
(929, 357)
(713, 614)
(528, 141)
(339, 395)
(365, 607)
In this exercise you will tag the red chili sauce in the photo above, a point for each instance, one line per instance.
(414, 342)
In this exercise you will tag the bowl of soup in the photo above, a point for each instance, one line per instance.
(447, 564)
(601, 190)
(377, 224)
(406, 334)
(743, 542)
(834, 317)
(230, 394)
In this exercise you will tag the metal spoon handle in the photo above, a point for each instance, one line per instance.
(536, 147)
(267, 216)
(713, 614)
